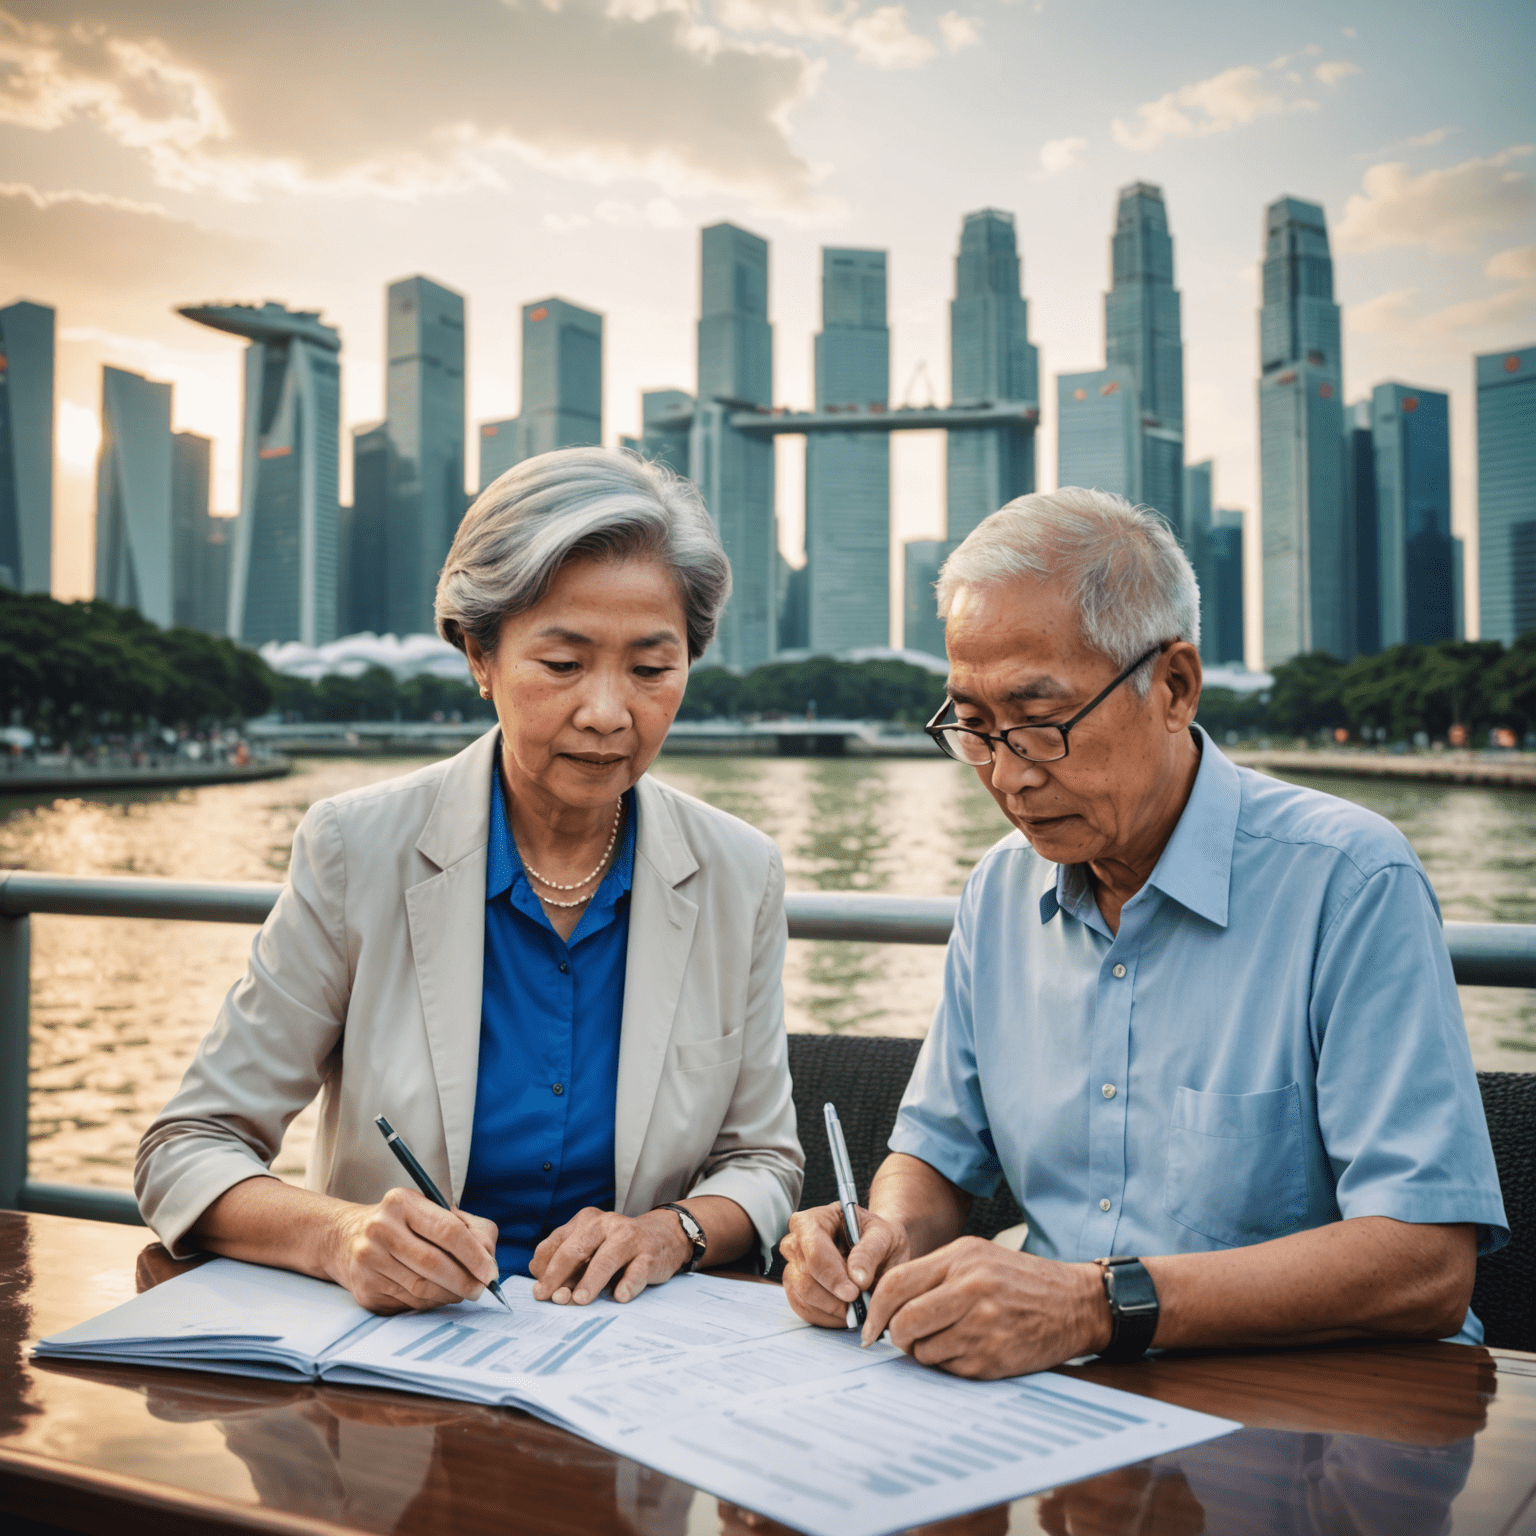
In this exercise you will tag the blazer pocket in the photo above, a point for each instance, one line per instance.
(695, 1055)
(1236, 1169)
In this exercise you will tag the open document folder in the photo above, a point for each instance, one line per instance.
(711, 1381)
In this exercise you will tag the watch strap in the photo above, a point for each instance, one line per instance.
(692, 1231)
(1133, 1308)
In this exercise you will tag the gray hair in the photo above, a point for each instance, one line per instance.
(1132, 584)
(575, 503)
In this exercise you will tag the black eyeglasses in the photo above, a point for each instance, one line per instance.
(1034, 743)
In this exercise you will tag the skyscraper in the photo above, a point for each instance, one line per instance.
(283, 581)
(363, 595)
(922, 628)
(1416, 554)
(666, 418)
(1226, 575)
(991, 359)
(424, 420)
(848, 474)
(562, 388)
(1142, 332)
(1098, 431)
(26, 447)
(1506, 492)
(1360, 513)
(199, 541)
(133, 496)
(1308, 551)
(734, 471)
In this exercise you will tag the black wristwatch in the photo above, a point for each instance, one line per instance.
(1133, 1308)
(693, 1232)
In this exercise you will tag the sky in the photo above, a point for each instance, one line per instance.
(163, 152)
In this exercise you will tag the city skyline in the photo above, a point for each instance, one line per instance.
(1411, 134)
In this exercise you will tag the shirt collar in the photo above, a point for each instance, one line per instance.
(504, 864)
(1195, 868)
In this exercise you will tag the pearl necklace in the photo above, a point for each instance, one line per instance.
(555, 885)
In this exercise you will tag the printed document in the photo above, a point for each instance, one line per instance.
(712, 1381)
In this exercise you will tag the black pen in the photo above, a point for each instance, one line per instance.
(423, 1181)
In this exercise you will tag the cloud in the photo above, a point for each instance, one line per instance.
(1061, 155)
(305, 95)
(108, 245)
(959, 31)
(1443, 210)
(1232, 99)
(1396, 314)
(1335, 70)
(882, 38)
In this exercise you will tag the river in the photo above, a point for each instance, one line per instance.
(118, 1006)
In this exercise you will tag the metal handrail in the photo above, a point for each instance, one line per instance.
(1482, 954)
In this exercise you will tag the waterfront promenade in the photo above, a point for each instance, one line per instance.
(1492, 770)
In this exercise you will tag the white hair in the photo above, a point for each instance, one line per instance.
(575, 503)
(1131, 583)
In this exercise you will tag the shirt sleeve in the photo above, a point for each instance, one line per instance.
(942, 1119)
(1397, 1098)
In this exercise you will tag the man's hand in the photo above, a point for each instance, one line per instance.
(978, 1310)
(818, 1282)
(576, 1262)
(406, 1254)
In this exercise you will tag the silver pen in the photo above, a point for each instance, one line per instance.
(848, 1198)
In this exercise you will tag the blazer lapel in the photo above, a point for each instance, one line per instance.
(661, 925)
(446, 915)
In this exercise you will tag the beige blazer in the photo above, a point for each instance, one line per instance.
(364, 987)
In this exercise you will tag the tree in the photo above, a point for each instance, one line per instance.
(1305, 697)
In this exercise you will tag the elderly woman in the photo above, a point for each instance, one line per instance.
(558, 978)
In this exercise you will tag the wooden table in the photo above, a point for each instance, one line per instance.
(1379, 1440)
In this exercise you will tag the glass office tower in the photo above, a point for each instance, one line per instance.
(1416, 555)
(1225, 642)
(848, 474)
(200, 546)
(1360, 512)
(1142, 332)
(1506, 492)
(562, 388)
(283, 583)
(133, 496)
(666, 423)
(1308, 550)
(26, 447)
(1098, 431)
(922, 628)
(362, 603)
(734, 472)
(991, 360)
(424, 421)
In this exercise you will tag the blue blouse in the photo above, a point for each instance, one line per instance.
(541, 1147)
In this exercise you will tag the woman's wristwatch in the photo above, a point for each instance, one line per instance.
(693, 1232)
(1133, 1308)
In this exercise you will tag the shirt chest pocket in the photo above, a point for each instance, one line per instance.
(1236, 1168)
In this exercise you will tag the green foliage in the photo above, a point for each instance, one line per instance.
(1223, 710)
(75, 670)
(840, 690)
(375, 695)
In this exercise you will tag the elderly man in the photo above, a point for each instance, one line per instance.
(1202, 1021)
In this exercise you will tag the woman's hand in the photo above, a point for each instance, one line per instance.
(406, 1254)
(577, 1261)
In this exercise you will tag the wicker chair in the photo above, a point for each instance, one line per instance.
(865, 1076)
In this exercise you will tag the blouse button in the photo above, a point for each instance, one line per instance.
(1119, 971)
(564, 967)
(548, 1166)
(559, 1089)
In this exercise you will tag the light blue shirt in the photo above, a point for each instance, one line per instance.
(1271, 1042)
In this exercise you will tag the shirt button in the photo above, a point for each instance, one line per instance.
(564, 967)
(1108, 1090)
(559, 1089)
(1119, 971)
(1103, 1205)
(548, 1166)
